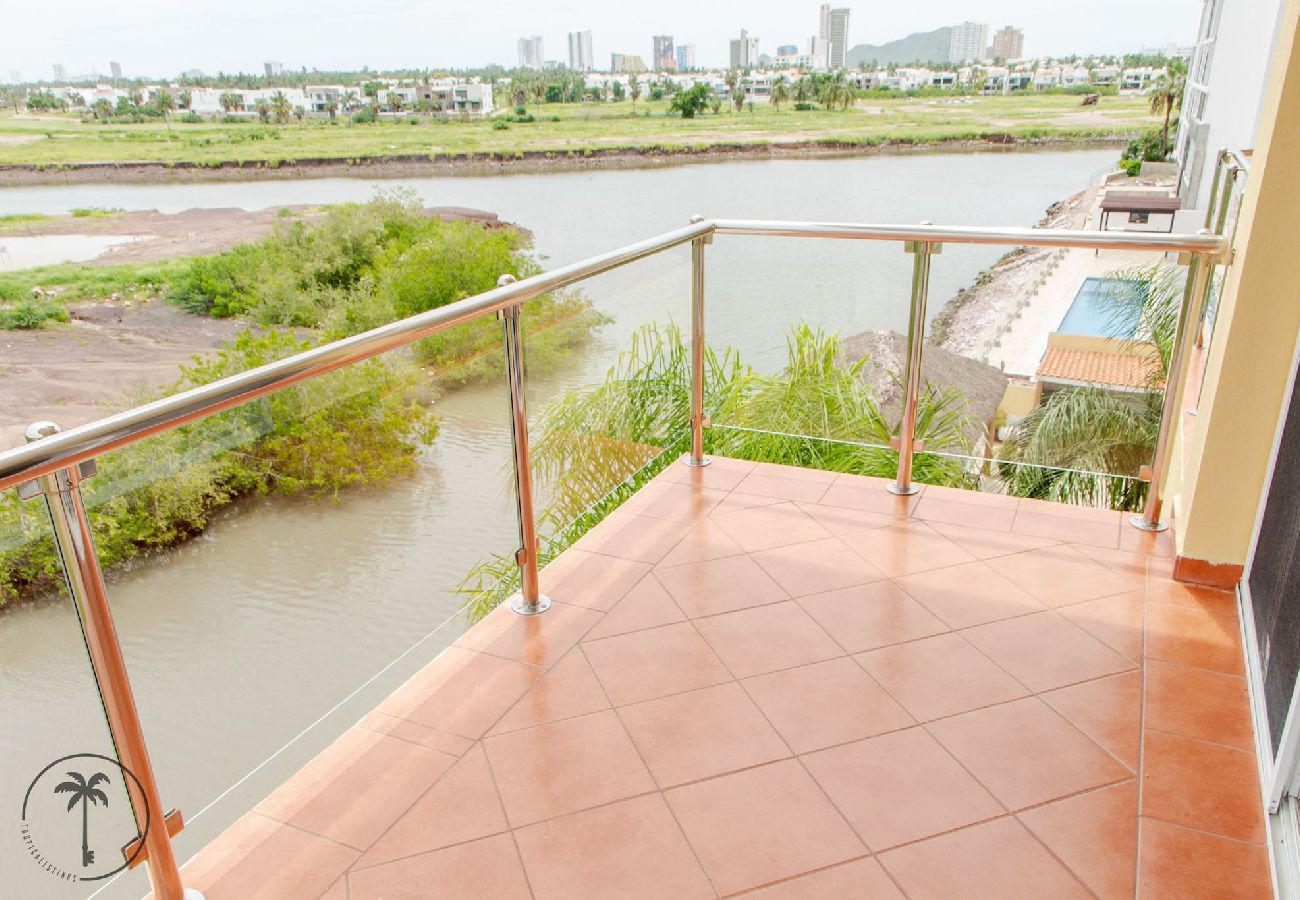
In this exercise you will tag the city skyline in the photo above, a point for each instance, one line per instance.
(151, 40)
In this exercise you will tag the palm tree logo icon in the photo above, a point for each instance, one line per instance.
(84, 792)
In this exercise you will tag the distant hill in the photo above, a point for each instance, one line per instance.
(924, 46)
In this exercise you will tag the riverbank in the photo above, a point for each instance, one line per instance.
(523, 161)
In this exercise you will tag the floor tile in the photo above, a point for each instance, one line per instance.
(767, 638)
(862, 879)
(970, 594)
(1027, 754)
(769, 485)
(1126, 562)
(839, 520)
(940, 676)
(984, 544)
(462, 806)
(765, 527)
(701, 734)
(632, 849)
(935, 507)
(257, 858)
(816, 567)
(1153, 544)
(719, 585)
(868, 495)
(1191, 596)
(736, 501)
(1194, 637)
(673, 500)
(1065, 528)
(1095, 834)
(565, 766)
(535, 640)
(485, 868)
(1116, 621)
(871, 616)
(654, 663)
(640, 538)
(1045, 651)
(720, 474)
(998, 859)
(1061, 575)
(1108, 710)
(704, 540)
(337, 891)
(382, 723)
(646, 606)
(900, 787)
(592, 580)
(825, 703)
(461, 692)
(1199, 704)
(356, 788)
(569, 689)
(1179, 862)
(762, 825)
(1202, 786)
(906, 549)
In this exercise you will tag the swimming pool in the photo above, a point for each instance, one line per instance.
(1102, 309)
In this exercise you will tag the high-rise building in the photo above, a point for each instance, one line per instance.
(530, 52)
(819, 53)
(272, 68)
(787, 50)
(970, 40)
(744, 52)
(833, 28)
(1009, 43)
(580, 56)
(116, 69)
(60, 72)
(685, 57)
(662, 59)
(629, 63)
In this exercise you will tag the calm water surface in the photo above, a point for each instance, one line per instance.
(242, 639)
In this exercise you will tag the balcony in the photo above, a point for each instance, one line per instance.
(766, 679)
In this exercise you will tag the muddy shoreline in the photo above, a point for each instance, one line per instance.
(529, 161)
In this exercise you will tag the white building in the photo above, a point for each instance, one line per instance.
(685, 57)
(744, 52)
(1225, 83)
(530, 52)
(970, 41)
(580, 55)
(1139, 79)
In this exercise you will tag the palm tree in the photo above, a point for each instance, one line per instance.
(803, 90)
(732, 79)
(230, 101)
(165, 103)
(350, 99)
(1167, 95)
(263, 110)
(103, 110)
(836, 91)
(1061, 450)
(634, 89)
(780, 92)
(281, 107)
(394, 102)
(83, 791)
(332, 107)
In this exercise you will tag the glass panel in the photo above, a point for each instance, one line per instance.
(277, 570)
(55, 726)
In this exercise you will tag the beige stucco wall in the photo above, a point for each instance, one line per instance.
(1216, 493)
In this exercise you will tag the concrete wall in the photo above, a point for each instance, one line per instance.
(1216, 494)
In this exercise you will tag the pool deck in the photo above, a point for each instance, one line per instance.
(787, 683)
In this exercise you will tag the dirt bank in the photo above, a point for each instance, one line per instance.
(417, 166)
(969, 322)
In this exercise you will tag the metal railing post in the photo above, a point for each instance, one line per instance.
(1194, 293)
(530, 601)
(72, 538)
(907, 444)
(698, 420)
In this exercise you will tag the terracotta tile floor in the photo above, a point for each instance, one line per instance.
(782, 683)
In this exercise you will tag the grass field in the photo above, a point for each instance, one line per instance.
(566, 128)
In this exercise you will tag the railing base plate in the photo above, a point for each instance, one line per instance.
(1141, 524)
(901, 491)
(523, 608)
(704, 461)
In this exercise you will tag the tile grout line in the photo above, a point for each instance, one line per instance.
(1142, 736)
(505, 815)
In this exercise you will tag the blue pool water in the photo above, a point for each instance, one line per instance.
(1097, 310)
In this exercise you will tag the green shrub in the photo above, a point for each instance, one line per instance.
(500, 125)
(31, 313)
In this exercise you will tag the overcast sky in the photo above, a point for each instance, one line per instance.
(163, 37)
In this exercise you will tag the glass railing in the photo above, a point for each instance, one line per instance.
(355, 574)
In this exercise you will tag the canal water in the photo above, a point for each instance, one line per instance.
(288, 619)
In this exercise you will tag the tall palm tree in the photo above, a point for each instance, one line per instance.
(803, 90)
(634, 89)
(836, 91)
(84, 792)
(1059, 450)
(732, 79)
(281, 107)
(780, 92)
(1167, 96)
